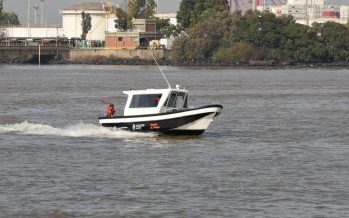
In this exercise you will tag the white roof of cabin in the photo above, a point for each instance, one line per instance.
(152, 91)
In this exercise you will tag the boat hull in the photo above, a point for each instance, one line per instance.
(184, 122)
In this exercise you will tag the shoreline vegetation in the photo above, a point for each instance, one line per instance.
(100, 60)
(166, 62)
(213, 34)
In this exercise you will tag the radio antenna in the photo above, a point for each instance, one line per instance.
(169, 85)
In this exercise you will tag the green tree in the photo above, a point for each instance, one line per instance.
(199, 43)
(193, 11)
(141, 9)
(240, 52)
(166, 28)
(85, 24)
(222, 37)
(123, 20)
(7, 17)
(10, 18)
(1, 6)
(335, 38)
(186, 14)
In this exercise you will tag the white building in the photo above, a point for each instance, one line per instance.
(170, 16)
(310, 11)
(102, 20)
(37, 31)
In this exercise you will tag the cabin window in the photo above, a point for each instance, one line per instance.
(182, 100)
(171, 100)
(177, 100)
(144, 101)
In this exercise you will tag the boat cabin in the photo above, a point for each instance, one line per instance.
(155, 101)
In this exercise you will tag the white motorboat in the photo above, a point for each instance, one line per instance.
(163, 111)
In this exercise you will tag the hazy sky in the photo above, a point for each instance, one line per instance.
(52, 8)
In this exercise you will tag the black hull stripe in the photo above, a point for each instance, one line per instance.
(158, 125)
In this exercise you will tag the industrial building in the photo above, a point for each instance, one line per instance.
(102, 27)
(304, 11)
(34, 31)
(142, 33)
(102, 20)
(172, 17)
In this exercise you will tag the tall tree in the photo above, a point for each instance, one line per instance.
(123, 20)
(186, 13)
(150, 8)
(141, 9)
(85, 24)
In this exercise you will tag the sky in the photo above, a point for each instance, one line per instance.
(52, 8)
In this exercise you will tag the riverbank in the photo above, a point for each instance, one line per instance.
(100, 60)
(102, 56)
(89, 57)
(167, 62)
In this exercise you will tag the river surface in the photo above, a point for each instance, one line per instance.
(280, 147)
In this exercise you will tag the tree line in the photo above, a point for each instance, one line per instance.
(212, 34)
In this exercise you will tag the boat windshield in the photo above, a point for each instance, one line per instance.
(177, 100)
(145, 101)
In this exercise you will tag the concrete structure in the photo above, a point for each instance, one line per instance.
(171, 16)
(102, 20)
(166, 42)
(80, 54)
(143, 31)
(37, 31)
(23, 54)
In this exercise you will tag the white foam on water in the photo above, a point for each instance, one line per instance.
(77, 130)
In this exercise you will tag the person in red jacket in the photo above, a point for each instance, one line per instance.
(110, 110)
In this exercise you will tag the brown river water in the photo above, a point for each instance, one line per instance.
(280, 147)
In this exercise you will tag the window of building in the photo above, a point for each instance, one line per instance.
(120, 39)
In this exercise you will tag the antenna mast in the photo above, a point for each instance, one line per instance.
(169, 85)
(35, 13)
(42, 12)
(28, 18)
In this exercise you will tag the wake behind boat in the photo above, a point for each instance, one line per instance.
(163, 111)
